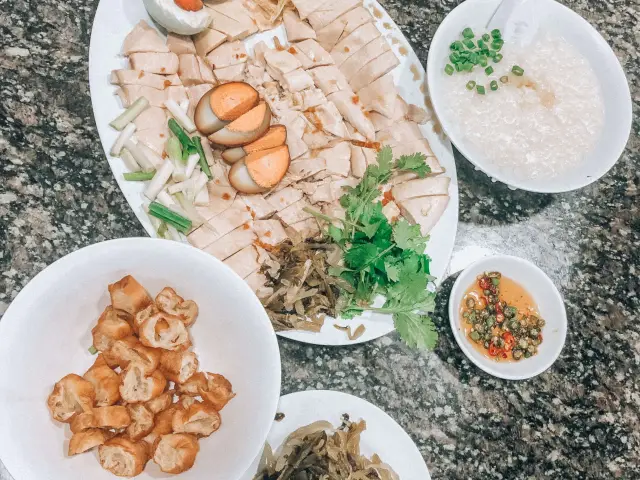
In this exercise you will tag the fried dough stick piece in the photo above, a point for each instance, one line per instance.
(123, 457)
(70, 396)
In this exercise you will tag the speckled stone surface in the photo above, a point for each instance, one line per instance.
(580, 419)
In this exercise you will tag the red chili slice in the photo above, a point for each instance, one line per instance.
(509, 341)
(484, 283)
(493, 350)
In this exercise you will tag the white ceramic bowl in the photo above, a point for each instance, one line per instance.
(46, 331)
(544, 293)
(558, 19)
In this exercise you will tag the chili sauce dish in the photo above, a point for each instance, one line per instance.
(508, 317)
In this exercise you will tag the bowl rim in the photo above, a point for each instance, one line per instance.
(625, 120)
(61, 264)
(487, 365)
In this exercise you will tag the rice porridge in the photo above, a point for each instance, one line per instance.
(540, 124)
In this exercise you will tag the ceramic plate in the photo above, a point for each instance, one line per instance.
(382, 436)
(114, 20)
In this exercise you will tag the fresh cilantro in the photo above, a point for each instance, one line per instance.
(414, 163)
(408, 237)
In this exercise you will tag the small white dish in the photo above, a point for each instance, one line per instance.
(557, 19)
(546, 296)
(382, 436)
(46, 331)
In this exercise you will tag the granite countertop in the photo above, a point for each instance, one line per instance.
(580, 419)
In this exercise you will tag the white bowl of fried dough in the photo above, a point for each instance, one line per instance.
(136, 357)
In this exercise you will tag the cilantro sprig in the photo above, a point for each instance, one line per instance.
(381, 258)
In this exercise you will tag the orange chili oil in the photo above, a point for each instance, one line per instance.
(501, 319)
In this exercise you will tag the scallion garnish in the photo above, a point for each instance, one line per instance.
(469, 43)
(204, 166)
(497, 44)
(480, 89)
(449, 69)
(481, 44)
(488, 70)
(495, 33)
(468, 33)
(471, 85)
(482, 60)
(172, 218)
(181, 135)
(454, 57)
(139, 176)
(497, 58)
(504, 79)
(517, 70)
(93, 350)
(486, 37)
(494, 85)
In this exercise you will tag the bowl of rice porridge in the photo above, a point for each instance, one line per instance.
(547, 113)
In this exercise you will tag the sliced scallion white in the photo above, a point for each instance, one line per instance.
(129, 161)
(173, 233)
(192, 161)
(151, 154)
(184, 106)
(138, 154)
(202, 198)
(206, 147)
(192, 213)
(125, 135)
(188, 184)
(130, 114)
(180, 116)
(174, 149)
(167, 200)
(161, 177)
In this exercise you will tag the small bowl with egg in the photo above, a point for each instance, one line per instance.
(508, 317)
(535, 99)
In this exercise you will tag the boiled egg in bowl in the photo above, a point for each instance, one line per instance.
(185, 17)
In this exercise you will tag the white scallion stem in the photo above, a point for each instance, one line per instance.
(138, 154)
(159, 179)
(152, 155)
(188, 207)
(175, 235)
(179, 171)
(180, 116)
(125, 135)
(206, 147)
(129, 161)
(130, 114)
(184, 105)
(181, 186)
(192, 161)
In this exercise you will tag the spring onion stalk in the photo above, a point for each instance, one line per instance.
(184, 106)
(138, 154)
(162, 230)
(125, 135)
(174, 149)
(172, 233)
(197, 141)
(129, 161)
(156, 223)
(202, 198)
(181, 223)
(180, 116)
(138, 176)
(182, 186)
(206, 147)
(130, 114)
(93, 350)
(179, 171)
(160, 178)
(192, 161)
(152, 155)
(167, 200)
(188, 207)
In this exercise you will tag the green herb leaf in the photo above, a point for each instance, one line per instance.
(385, 160)
(414, 163)
(336, 234)
(416, 330)
(358, 256)
(408, 237)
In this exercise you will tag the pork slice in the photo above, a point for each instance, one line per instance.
(196, 92)
(331, 190)
(331, 10)
(342, 26)
(221, 197)
(234, 73)
(220, 225)
(227, 55)
(244, 262)
(151, 118)
(312, 97)
(231, 28)
(316, 55)
(401, 177)
(307, 228)
(130, 93)
(154, 138)
(391, 211)
(138, 77)
(381, 122)
(257, 282)
(269, 232)
(207, 41)
(306, 166)
(424, 211)
(297, 80)
(411, 147)
(189, 71)
(307, 7)
(235, 11)
(337, 159)
(232, 242)
(177, 93)
(180, 44)
(151, 62)
(283, 198)
(255, 74)
(297, 146)
(374, 70)
(326, 117)
(143, 38)
(370, 51)
(281, 61)
(349, 106)
(318, 139)
(380, 95)
(421, 187)
(354, 42)
(399, 133)
(259, 208)
(296, 28)
(295, 212)
(358, 162)
(329, 79)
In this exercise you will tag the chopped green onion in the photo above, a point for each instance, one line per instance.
(458, 68)
(139, 176)
(488, 70)
(494, 85)
(468, 66)
(167, 215)
(486, 37)
(481, 44)
(497, 58)
(497, 44)
(93, 350)
(471, 85)
(518, 71)
(473, 58)
(504, 79)
(495, 33)
(480, 89)
(204, 166)
(469, 44)
(468, 33)
(454, 57)
(162, 230)
(173, 147)
(457, 45)
(180, 134)
(482, 60)
(130, 114)
(449, 69)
